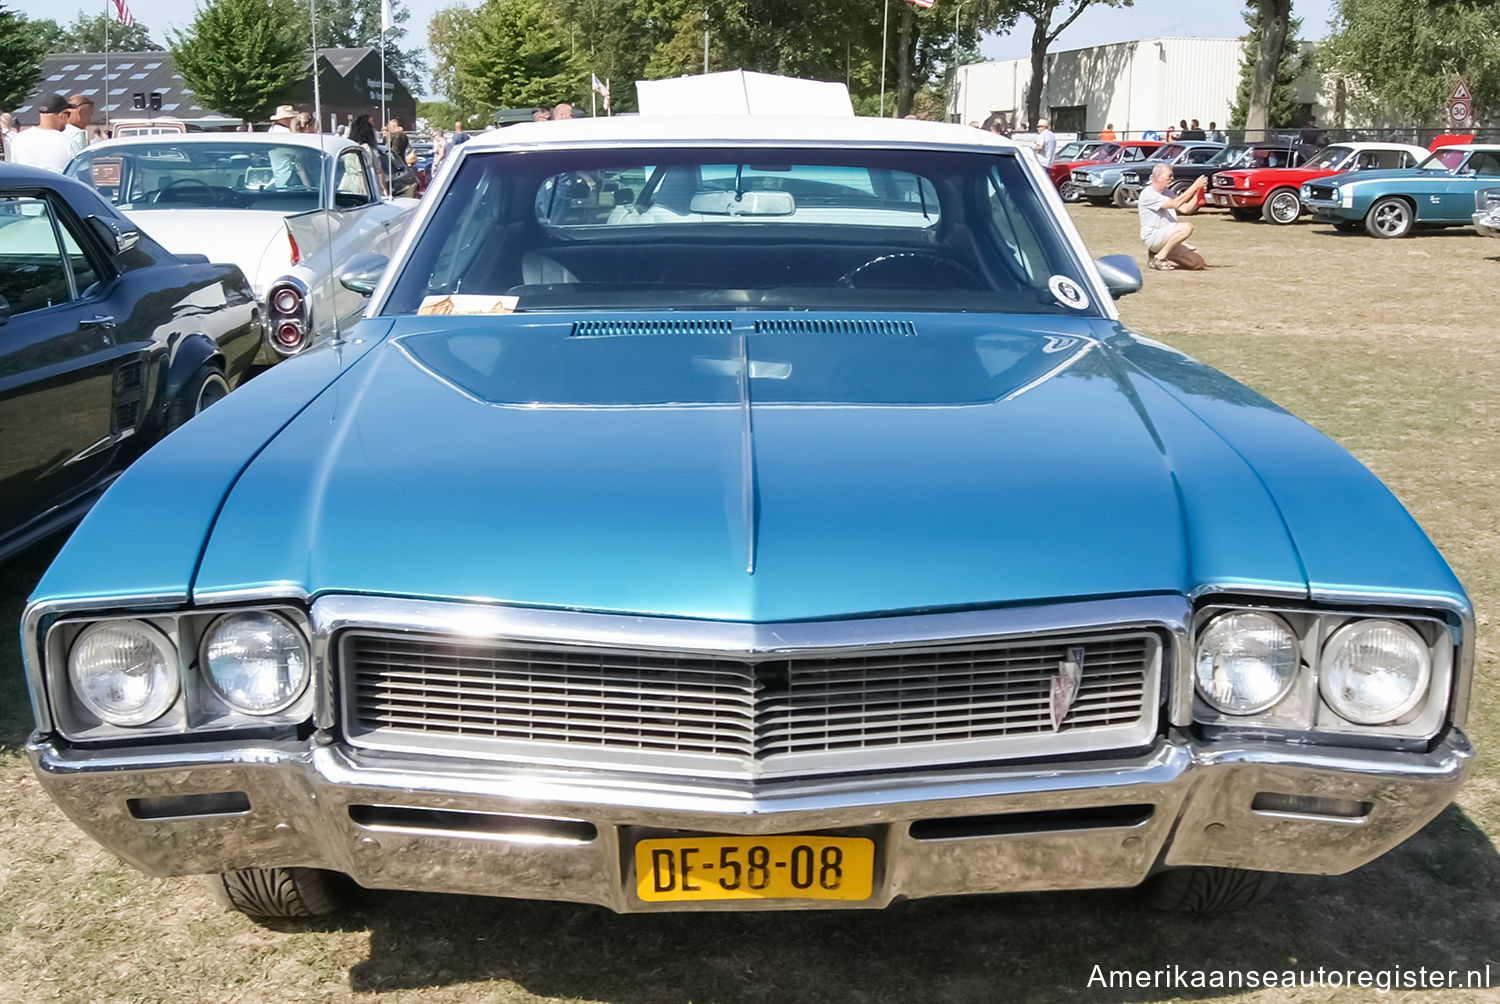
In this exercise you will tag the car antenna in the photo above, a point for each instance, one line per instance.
(325, 168)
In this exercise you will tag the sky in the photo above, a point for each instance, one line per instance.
(1097, 25)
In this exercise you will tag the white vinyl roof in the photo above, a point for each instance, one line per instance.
(329, 142)
(720, 130)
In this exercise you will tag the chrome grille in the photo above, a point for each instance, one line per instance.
(789, 712)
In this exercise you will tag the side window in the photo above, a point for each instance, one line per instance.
(351, 183)
(33, 274)
(1484, 164)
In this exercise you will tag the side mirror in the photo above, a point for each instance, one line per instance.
(115, 235)
(1120, 273)
(363, 271)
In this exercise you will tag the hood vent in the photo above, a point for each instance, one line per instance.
(834, 326)
(686, 326)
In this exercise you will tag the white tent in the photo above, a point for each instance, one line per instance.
(742, 92)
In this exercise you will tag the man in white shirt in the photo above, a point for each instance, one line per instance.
(1160, 229)
(281, 119)
(1046, 142)
(45, 146)
(80, 117)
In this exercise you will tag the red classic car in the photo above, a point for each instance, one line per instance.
(1108, 153)
(1270, 191)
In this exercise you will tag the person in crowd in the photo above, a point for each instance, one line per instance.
(439, 150)
(1214, 134)
(1311, 134)
(541, 115)
(459, 136)
(80, 117)
(281, 118)
(304, 123)
(7, 130)
(1108, 135)
(1161, 231)
(561, 110)
(1046, 142)
(1192, 131)
(362, 131)
(397, 140)
(45, 146)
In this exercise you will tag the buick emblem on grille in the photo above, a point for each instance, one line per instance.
(1065, 684)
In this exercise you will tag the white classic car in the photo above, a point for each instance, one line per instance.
(257, 201)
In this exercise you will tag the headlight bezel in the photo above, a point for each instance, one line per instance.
(198, 709)
(1304, 713)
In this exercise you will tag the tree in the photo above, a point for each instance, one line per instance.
(1283, 107)
(1406, 55)
(20, 59)
(86, 34)
(1274, 24)
(353, 24)
(513, 56)
(1044, 33)
(241, 57)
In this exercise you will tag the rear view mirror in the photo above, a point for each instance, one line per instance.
(362, 273)
(117, 237)
(743, 204)
(1120, 273)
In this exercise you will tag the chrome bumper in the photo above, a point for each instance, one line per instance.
(1487, 223)
(401, 821)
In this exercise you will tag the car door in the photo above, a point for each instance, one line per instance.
(59, 362)
(1482, 170)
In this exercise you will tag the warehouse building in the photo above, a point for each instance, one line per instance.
(1140, 86)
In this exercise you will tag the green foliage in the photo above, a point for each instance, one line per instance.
(87, 34)
(1406, 55)
(1285, 110)
(450, 32)
(513, 56)
(439, 114)
(354, 24)
(20, 59)
(241, 57)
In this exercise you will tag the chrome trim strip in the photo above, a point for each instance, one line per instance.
(747, 454)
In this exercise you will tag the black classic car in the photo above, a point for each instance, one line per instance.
(1254, 155)
(107, 342)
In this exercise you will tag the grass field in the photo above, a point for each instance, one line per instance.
(1389, 347)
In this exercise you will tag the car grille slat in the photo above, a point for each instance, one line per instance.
(541, 701)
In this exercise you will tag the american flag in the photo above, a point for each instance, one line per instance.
(123, 10)
(921, 3)
(603, 88)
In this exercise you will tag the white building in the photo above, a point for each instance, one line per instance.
(1139, 86)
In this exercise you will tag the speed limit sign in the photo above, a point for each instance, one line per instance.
(1458, 111)
(1458, 104)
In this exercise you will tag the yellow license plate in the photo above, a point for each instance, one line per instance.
(694, 869)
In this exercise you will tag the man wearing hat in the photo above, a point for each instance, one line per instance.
(281, 120)
(45, 146)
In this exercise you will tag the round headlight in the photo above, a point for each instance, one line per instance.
(124, 672)
(1246, 662)
(256, 661)
(1373, 672)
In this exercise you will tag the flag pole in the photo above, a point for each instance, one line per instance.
(592, 91)
(885, 23)
(608, 108)
(106, 63)
(312, 17)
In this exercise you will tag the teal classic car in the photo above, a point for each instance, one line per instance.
(738, 512)
(1437, 192)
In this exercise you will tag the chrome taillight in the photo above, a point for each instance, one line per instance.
(290, 327)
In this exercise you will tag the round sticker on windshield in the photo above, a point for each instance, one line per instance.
(1068, 292)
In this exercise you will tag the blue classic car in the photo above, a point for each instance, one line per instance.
(747, 513)
(1437, 192)
(107, 343)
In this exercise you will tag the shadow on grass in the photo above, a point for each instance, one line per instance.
(18, 577)
(1430, 903)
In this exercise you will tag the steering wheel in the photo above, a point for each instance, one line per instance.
(910, 270)
(156, 195)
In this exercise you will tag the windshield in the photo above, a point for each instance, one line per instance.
(1230, 156)
(225, 175)
(1447, 159)
(860, 229)
(1168, 153)
(1330, 159)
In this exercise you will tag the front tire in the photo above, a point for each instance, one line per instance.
(1070, 192)
(206, 387)
(1122, 198)
(1281, 207)
(280, 893)
(1390, 218)
(1200, 889)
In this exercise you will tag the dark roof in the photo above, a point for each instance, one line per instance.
(129, 72)
(342, 60)
(20, 174)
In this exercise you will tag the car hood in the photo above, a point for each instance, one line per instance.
(966, 462)
(243, 237)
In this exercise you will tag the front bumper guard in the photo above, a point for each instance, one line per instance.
(401, 821)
